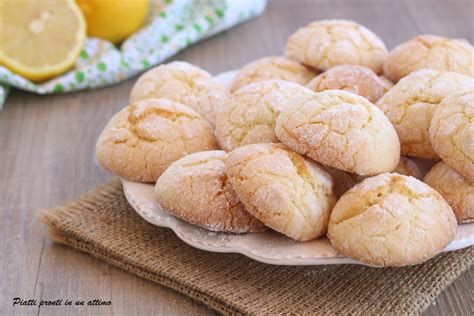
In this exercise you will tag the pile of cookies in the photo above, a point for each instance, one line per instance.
(312, 144)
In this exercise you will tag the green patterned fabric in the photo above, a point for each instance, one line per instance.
(174, 25)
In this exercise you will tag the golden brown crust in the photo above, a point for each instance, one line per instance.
(196, 189)
(328, 43)
(452, 133)
(410, 105)
(287, 192)
(143, 139)
(356, 79)
(273, 67)
(341, 130)
(184, 83)
(455, 189)
(391, 220)
(429, 52)
(249, 116)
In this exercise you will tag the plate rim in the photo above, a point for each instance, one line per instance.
(175, 225)
(227, 249)
(226, 79)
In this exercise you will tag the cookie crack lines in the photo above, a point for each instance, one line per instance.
(203, 161)
(353, 78)
(329, 43)
(429, 51)
(195, 188)
(411, 103)
(391, 220)
(184, 83)
(142, 140)
(335, 37)
(284, 190)
(324, 55)
(272, 67)
(430, 44)
(294, 195)
(451, 132)
(249, 115)
(332, 126)
(456, 147)
(303, 171)
(248, 125)
(396, 185)
(456, 189)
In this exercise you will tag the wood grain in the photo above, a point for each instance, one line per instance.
(47, 158)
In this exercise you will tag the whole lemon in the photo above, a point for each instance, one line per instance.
(113, 20)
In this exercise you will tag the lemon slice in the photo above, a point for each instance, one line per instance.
(40, 39)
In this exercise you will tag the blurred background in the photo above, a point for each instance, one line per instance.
(47, 146)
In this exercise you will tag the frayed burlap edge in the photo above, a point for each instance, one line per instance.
(96, 197)
(51, 217)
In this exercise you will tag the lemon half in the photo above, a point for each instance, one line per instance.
(40, 39)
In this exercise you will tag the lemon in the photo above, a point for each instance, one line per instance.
(113, 20)
(40, 39)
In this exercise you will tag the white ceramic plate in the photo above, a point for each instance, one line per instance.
(269, 247)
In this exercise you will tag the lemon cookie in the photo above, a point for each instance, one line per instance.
(195, 188)
(184, 83)
(452, 133)
(143, 139)
(273, 67)
(248, 117)
(342, 130)
(411, 102)
(328, 43)
(455, 189)
(343, 180)
(391, 220)
(429, 52)
(356, 79)
(285, 191)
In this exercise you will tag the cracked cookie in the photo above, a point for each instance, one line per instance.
(184, 83)
(410, 105)
(455, 189)
(341, 130)
(285, 191)
(196, 189)
(143, 139)
(391, 220)
(429, 52)
(248, 117)
(343, 180)
(328, 43)
(273, 67)
(356, 79)
(452, 133)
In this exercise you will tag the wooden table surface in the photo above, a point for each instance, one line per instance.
(47, 149)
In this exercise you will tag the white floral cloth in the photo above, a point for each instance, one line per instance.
(173, 25)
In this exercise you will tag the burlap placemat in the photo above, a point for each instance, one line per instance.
(104, 225)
